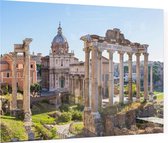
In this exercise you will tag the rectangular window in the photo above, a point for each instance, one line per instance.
(31, 65)
(7, 75)
(61, 62)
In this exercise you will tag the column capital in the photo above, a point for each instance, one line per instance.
(121, 53)
(129, 54)
(146, 54)
(138, 54)
(110, 51)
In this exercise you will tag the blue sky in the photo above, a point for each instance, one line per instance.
(40, 22)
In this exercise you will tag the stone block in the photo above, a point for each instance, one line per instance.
(121, 118)
(130, 118)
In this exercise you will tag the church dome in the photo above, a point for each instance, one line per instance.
(59, 43)
(59, 38)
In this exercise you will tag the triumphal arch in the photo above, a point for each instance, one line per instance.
(113, 42)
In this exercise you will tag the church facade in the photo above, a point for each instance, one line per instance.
(62, 71)
(58, 67)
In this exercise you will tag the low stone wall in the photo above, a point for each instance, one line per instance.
(93, 125)
(146, 111)
(108, 125)
(121, 120)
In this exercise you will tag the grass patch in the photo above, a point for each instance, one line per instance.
(43, 133)
(160, 96)
(43, 118)
(12, 128)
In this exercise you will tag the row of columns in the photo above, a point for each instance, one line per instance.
(96, 96)
(77, 86)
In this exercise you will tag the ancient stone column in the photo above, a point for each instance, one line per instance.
(99, 79)
(94, 96)
(14, 82)
(72, 86)
(111, 78)
(130, 77)
(26, 92)
(86, 93)
(151, 78)
(145, 76)
(138, 76)
(121, 70)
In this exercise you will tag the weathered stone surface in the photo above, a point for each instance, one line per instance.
(121, 118)
(130, 118)
(148, 130)
(14, 140)
(118, 131)
(30, 136)
(157, 130)
(93, 124)
(147, 111)
(109, 125)
(134, 128)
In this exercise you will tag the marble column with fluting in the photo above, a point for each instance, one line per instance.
(94, 95)
(99, 79)
(121, 70)
(130, 76)
(151, 78)
(86, 80)
(145, 76)
(14, 83)
(111, 78)
(138, 76)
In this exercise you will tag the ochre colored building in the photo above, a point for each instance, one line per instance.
(6, 71)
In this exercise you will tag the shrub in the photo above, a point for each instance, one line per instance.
(64, 108)
(45, 134)
(65, 117)
(55, 114)
(80, 107)
(76, 115)
(45, 101)
(53, 131)
(76, 128)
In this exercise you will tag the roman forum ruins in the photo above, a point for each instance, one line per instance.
(114, 41)
(23, 49)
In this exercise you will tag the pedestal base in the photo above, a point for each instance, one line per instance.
(27, 117)
(93, 124)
